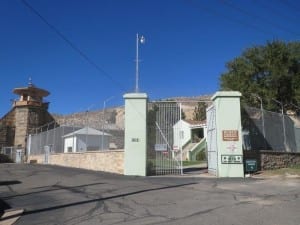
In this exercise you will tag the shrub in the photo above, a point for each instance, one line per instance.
(5, 159)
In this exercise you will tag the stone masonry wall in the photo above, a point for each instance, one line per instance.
(27, 119)
(268, 160)
(276, 160)
(7, 129)
(107, 161)
(21, 126)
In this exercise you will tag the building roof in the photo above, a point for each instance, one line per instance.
(31, 90)
(196, 122)
(192, 124)
(87, 131)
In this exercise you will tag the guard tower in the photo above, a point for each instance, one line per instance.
(30, 112)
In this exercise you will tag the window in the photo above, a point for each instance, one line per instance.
(70, 149)
(181, 134)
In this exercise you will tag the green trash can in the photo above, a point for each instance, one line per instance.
(250, 165)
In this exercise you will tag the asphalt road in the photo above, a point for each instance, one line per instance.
(57, 195)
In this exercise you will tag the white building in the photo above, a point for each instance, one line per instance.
(86, 139)
(188, 131)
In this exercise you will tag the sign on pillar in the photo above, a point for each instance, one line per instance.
(135, 134)
(228, 134)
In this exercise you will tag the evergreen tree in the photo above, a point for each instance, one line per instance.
(271, 72)
(200, 111)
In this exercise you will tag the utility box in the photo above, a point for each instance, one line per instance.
(251, 165)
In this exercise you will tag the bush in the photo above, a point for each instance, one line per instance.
(201, 156)
(150, 168)
(5, 159)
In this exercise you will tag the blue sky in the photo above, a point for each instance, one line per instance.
(188, 43)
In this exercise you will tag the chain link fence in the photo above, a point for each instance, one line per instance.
(265, 130)
(70, 138)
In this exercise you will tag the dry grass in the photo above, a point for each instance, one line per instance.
(293, 170)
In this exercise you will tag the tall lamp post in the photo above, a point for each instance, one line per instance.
(262, 117)
(87, 126)
(103, 120)
(139, 39)
(283, 122)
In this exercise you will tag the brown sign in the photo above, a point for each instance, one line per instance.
(230, 135)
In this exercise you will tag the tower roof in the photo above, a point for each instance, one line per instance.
(31, 90)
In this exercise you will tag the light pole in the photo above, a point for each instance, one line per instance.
(283, 123)
(103, 120)
(262, 117)
(138, 40)
(87, 126)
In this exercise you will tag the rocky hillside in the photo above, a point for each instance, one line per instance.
(113, 118)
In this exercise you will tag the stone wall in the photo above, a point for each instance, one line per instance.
(108, 161)
(7, 129)
(21, 121)
(21, 126)
(268, 160)
(276, 160)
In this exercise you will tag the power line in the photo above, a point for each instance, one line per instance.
(237, 21)
(230, 4)
(290, 5)
(72, 45)
(274, 11)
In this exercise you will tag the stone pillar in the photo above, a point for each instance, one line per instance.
(135, 134)
(21, 115)
(229, 134)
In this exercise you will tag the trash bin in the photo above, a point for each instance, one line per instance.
(250, 165)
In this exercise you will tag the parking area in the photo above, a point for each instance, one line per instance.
(59, 195)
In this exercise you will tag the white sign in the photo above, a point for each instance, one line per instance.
(161, 147)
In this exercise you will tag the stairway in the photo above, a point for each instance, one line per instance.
(187, 149)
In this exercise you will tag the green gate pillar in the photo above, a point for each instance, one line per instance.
(135, 134)
(228, 134)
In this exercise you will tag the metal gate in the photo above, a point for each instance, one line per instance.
(164, 157)
(19, 153)
(47, 153)
(212, 149)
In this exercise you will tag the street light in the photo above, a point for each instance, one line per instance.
(87, 126)
(262, 116)
(139, 39)
(104, 106)
(283, 123)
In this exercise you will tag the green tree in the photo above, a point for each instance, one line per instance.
(271, 71)
(200, 111)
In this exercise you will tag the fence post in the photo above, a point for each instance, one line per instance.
(135, 134)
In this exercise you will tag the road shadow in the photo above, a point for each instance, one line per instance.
(55, 187)
(29, 212)
(9, 182)
(3, 206)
